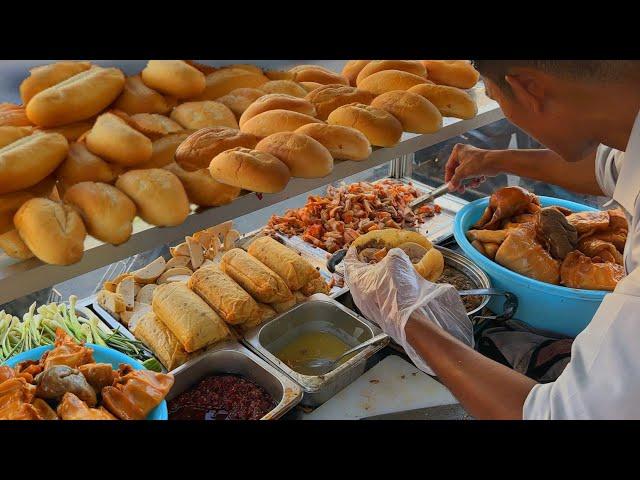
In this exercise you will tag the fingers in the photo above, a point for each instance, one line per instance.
(452, 162)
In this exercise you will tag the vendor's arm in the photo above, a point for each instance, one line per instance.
(485, 388)
(543, 165)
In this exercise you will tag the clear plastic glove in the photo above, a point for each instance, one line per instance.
(391, 291)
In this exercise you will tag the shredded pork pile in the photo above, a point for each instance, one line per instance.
(334, 221)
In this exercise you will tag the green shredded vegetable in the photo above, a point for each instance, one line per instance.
(38, 327)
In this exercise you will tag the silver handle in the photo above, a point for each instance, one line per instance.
(363, 345)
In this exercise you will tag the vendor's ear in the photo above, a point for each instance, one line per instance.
(528, 88)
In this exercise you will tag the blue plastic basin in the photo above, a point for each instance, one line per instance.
(542, 305)
(101, 355)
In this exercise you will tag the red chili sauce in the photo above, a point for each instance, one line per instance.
(222, 397)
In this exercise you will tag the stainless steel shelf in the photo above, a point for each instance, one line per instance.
(21, 278)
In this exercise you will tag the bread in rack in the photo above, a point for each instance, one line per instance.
(202, 189)
(455, 73)
(238, 100)
(277, 101)
(388, 80)
(114, 140)
(352, 68)
(77, 98)
(329, 97)
(106, 211)
(379, 126)
(196, 115)
(305, 156)
(375, 66)
(225, 80)
(274, 121)
(343, 143)
(158, 194)
(250, 169)
(288, 87)
(173, 77)
(416, 113)
(451, 101)
(136, 97)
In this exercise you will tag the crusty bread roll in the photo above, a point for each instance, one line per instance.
(202, 189)
(238, 100)
(288, 87)
(158, 194)
(77, 98)
(291, 267)
(83, 166)
(106, 211)
(379, 126)
(306, 66)
(173, 77)
(329, 97)
(136, 97)
(409, 66)
(314, 73)
(195, 115)
(451, 101)
(165, 345)
(13, 245)
(72, 131)
(9, 134)
(274, 121)
(343, 143)
(116, 141)
(41, 78)
(305, 157)
(277, 101)
(279, 75)
(12, 115)
(164, 149)
(250, 169)
(53, 231)
(388, 80)
(154, 125)
(200, 147)
(28, 160)
(310, 86)
(256, 278)
(416, 113)
(188, 316)
(225, 296)
(225, 80)
(351, 70)
(455, 73)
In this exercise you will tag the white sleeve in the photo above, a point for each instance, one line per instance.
(601, 381)
(608, 164)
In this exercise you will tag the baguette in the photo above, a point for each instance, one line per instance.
(113, 139)
(238, 100)
(41, 78)
(83, 166)
(173, 77)
(225, 80)
(28, 160)
(451, 101)
(202, 189)
(288, 87)
(54, 232)
(107, 212)
(201, 147)
(80, 97)
(189, 318)
(13, 116)
(164, 344)
(13, 245)
(163, 150)
(455, 73)
(158, 194)
(196, 115)
(136, 97)
(277, 101)
(257, 279)
(224, 295)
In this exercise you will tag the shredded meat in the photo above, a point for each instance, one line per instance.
(334, 221)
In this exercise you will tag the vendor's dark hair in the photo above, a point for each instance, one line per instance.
(579, 70)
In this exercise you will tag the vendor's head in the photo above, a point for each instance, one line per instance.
(565, 104)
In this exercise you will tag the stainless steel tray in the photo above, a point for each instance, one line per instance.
(232, 358)
(321, 312)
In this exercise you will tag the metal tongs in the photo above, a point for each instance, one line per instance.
(430, 197)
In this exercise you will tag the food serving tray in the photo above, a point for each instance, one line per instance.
(319, 313)
(230, 357)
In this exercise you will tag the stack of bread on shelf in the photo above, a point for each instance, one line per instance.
(90, 149)
(208, 291)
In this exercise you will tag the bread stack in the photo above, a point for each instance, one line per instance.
(181, 306)
(180, 133)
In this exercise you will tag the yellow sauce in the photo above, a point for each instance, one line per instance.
(311, 346)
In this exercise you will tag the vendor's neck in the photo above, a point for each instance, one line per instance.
(611, 111)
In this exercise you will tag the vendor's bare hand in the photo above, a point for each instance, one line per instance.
(468, 162)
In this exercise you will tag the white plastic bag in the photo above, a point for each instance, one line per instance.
(391, 291)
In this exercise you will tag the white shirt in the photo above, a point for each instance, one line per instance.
(602, 381)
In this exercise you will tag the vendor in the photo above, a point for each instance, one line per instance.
(587, 114)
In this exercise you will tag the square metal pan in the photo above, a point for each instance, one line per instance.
(231, 357)
(319, 309)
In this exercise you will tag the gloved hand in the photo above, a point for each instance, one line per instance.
(391, 291)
